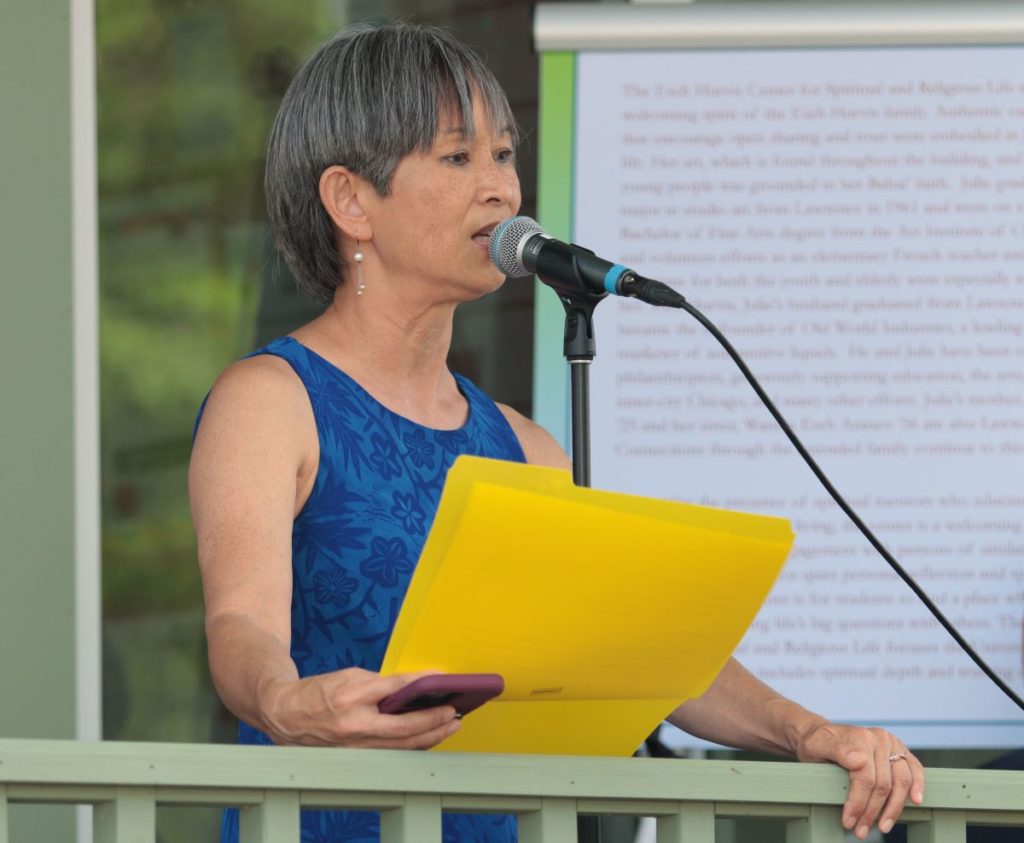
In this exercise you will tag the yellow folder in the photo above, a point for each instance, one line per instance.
(602, 611)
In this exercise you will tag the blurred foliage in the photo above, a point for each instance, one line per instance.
(186, 94)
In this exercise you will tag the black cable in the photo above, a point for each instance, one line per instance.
(679, 301)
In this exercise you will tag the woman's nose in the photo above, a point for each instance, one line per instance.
(500, 184)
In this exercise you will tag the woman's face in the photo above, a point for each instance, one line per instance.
(434, 225)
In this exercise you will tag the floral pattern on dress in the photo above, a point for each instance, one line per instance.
(355, 545)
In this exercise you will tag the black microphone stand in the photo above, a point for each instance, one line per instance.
(579, 348)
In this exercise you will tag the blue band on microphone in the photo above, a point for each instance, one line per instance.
(612, 276)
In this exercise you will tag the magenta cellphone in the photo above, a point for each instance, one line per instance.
(463, 691)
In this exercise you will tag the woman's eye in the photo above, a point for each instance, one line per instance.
(505, 156)
(459, 158)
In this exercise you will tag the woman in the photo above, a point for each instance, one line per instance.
(319, 460)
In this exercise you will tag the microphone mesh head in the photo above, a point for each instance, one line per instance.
(506, 241)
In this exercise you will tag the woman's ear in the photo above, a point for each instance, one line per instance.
(340, 190)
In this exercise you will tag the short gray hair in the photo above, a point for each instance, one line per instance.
(365, 99)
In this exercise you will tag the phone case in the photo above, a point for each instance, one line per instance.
(464, 691)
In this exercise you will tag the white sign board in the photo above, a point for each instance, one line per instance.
(853, 220)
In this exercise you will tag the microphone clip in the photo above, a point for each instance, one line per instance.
(578, 342)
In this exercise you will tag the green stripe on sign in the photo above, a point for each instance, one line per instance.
(556, 133)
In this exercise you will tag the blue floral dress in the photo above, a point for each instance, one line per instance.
(355, 544)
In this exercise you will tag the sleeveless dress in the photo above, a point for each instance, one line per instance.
(355, 544)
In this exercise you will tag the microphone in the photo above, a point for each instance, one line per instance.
(519, 246)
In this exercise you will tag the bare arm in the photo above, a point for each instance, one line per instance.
(739, 710)
(253, 465)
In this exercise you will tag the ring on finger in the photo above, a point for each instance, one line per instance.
(899, 756)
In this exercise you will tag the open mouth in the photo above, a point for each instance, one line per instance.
(483, 236)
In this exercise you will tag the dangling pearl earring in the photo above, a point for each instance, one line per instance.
(358, 258)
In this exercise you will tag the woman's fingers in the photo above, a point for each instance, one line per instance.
(907, 779)
(878, 789)
(357, 721)
(875, 781)
(415, 740)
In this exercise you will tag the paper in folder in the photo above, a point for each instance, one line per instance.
(602, 611)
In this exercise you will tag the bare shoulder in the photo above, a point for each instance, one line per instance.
(539, 446)
(257, 419)
(261, 379)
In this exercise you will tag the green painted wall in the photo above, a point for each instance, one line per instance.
(36, 421)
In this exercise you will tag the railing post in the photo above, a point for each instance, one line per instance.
(695, 823)
(823, 825)
(417, 821)
(944, 827)
(4, 815)
(275, 820)
(129, 818)
(555, 822)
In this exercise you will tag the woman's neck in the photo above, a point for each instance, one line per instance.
(395, 349)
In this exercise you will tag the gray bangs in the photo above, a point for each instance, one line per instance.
(365, 100)
(412, 83)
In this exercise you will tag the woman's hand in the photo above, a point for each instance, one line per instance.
(882, 772)
(340, 709)
(739, 710)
